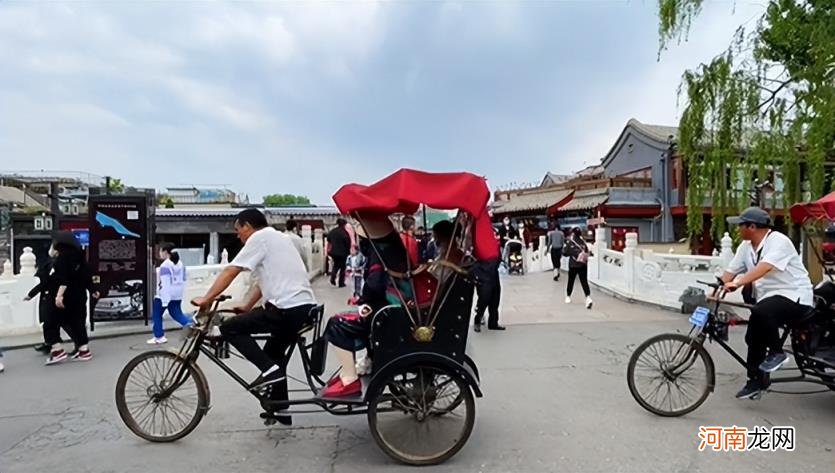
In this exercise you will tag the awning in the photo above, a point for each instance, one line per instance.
(586, 200)
(540, 201)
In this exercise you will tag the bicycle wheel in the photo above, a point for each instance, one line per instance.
(422, 415)
(148, 404)
(670, 375)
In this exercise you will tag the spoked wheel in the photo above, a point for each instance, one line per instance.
(160, 397)
(670, 375)
(422, 415)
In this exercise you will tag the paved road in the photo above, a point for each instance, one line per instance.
(555, 400)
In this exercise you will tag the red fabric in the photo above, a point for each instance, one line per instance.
(406, 189)
(411, 245)
(821, 208)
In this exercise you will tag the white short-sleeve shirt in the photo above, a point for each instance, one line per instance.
(789, 277)
(278, 267)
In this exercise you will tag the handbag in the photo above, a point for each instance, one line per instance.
(583, 256)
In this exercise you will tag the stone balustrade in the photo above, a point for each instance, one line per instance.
(20, 317)
(641, 275)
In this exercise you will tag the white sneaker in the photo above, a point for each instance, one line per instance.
(588, 302)
(568, 300)
(363, 366)
(2, 368)
(157, 341)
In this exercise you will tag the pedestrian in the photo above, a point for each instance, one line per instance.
(578, 265)
(171, 280)
(69, 281)
(407, 235)
(46, 302)
(556, 240)
(291, 230)
(489, 289)
(340, 249)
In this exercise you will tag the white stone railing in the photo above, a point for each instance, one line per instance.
(19, 317)
(641, 275)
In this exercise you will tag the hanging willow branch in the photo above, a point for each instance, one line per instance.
(767, 104)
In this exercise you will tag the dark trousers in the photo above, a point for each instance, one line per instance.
(282, 324)
(583, 273)
(489, 296)
(338, 270)
(72, 318)
(556, 257)
(763, 335)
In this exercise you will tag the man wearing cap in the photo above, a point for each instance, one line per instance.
(782, 290)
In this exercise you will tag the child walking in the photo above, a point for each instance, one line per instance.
(171, 279)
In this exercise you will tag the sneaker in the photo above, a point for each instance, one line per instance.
(568, 300)
(43, 348)
(496, 327)
(774, 362)
(157, 341)
(56, 357)
(82, 355)
(589, 302)
(363, 366)
(752, 390)
(262, 381)
(477, 327)
(2, 368)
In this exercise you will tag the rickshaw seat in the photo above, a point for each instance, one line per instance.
(317, 313)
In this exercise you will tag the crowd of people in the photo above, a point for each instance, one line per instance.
(282, 301)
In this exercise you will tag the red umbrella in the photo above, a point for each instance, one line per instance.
(823, 208)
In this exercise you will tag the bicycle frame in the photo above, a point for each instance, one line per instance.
(710, 332)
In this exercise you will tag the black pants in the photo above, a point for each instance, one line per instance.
(763, 335)
(489, 296)
(72, 318)
(583, 273)
(556, 257)
(338, 270)
(283, 324)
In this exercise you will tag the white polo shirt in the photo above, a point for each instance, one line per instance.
(789, 277)
(274, 261)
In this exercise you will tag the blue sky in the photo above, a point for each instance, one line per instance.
(303, 97)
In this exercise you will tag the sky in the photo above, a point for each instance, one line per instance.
(302, 98)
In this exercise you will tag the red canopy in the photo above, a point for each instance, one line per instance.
(406, 189)
(823, 208)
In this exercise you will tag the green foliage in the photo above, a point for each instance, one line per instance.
(284, 200)
(766, 103)
(116, 186)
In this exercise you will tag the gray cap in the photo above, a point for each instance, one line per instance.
(751, 215)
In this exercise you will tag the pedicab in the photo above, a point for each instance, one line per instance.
(419, 399)
(672, 374)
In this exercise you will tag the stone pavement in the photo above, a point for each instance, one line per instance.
(555, 400)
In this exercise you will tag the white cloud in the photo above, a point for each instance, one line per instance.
(651, 95)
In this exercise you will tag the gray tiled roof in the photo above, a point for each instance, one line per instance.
(532, 201)
(657, 132)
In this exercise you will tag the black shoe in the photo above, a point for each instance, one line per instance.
(752, 390)
(42, 348)
(477, 327)
(774, 362)
(496, 327)
(342, 285)
(262, 381)
(272, 417)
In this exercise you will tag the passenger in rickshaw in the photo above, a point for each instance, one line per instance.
(348, 332)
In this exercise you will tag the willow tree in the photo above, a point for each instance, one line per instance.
(765, 103)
